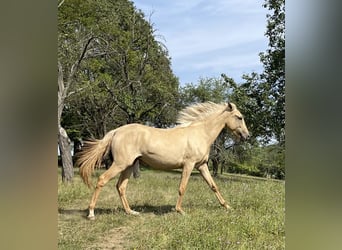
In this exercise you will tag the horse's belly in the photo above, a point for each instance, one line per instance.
(161, 162)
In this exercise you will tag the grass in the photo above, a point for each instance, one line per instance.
(256, 221)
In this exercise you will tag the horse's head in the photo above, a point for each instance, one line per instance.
(236, 123)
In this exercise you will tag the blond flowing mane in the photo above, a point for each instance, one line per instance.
(198, 112)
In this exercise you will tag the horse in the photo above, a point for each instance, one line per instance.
(185, 146)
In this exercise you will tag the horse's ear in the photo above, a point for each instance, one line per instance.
(229, 107)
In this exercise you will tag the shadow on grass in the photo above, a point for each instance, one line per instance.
(157, 210)
(80, 212)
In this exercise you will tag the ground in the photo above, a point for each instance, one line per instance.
(256, 221)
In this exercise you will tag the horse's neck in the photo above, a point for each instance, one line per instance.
(214, 126)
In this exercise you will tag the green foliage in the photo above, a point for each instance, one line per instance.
(270, 160)
(264, 161)
(273, 77)
(247, 158)
(262, 97)
(207, 89)
(243, 168)
(257, 220)
(125, 74)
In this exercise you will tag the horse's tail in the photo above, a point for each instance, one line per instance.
(92, 154)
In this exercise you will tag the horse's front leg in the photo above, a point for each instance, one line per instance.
(207, 177)
(182, 187)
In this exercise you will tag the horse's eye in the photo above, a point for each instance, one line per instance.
(239, 117)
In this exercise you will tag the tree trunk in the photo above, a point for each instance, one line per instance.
(215, 166)
(64, 84)
(223, 166)
(65, 150)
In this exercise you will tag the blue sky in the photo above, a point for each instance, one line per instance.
(210, 37)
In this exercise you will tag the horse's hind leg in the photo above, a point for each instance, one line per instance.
(121, 187)
(103, 179)
(136, 170)
(207, 177)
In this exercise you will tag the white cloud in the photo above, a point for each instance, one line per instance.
(211, 36)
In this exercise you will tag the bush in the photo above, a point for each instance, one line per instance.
(240, 168)
(263, 161)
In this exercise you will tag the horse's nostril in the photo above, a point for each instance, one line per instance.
(246, 137)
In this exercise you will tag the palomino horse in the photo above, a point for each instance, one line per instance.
(185, 146)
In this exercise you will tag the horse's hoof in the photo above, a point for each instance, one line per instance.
(227, 207)
(132, 212)
(181, 212)
(91, 217)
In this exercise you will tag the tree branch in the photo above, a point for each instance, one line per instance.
(114, 98)
(60, 4)
(148, 110)
(76, 91)
(84, 51)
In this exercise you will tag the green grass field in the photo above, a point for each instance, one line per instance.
(257, 220)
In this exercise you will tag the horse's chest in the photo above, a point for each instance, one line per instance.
(198, 154)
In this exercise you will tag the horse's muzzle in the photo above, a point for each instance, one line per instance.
(244, 136)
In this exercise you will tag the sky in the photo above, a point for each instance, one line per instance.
(210, 37)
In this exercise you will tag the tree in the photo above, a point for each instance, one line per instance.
(262, 96)
(77, 42)
(207, 89)
(125, 75)
(73, 47)
(273, 77)
(139, 78)
(131, 81)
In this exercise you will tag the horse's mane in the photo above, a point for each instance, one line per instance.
(198, 112)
